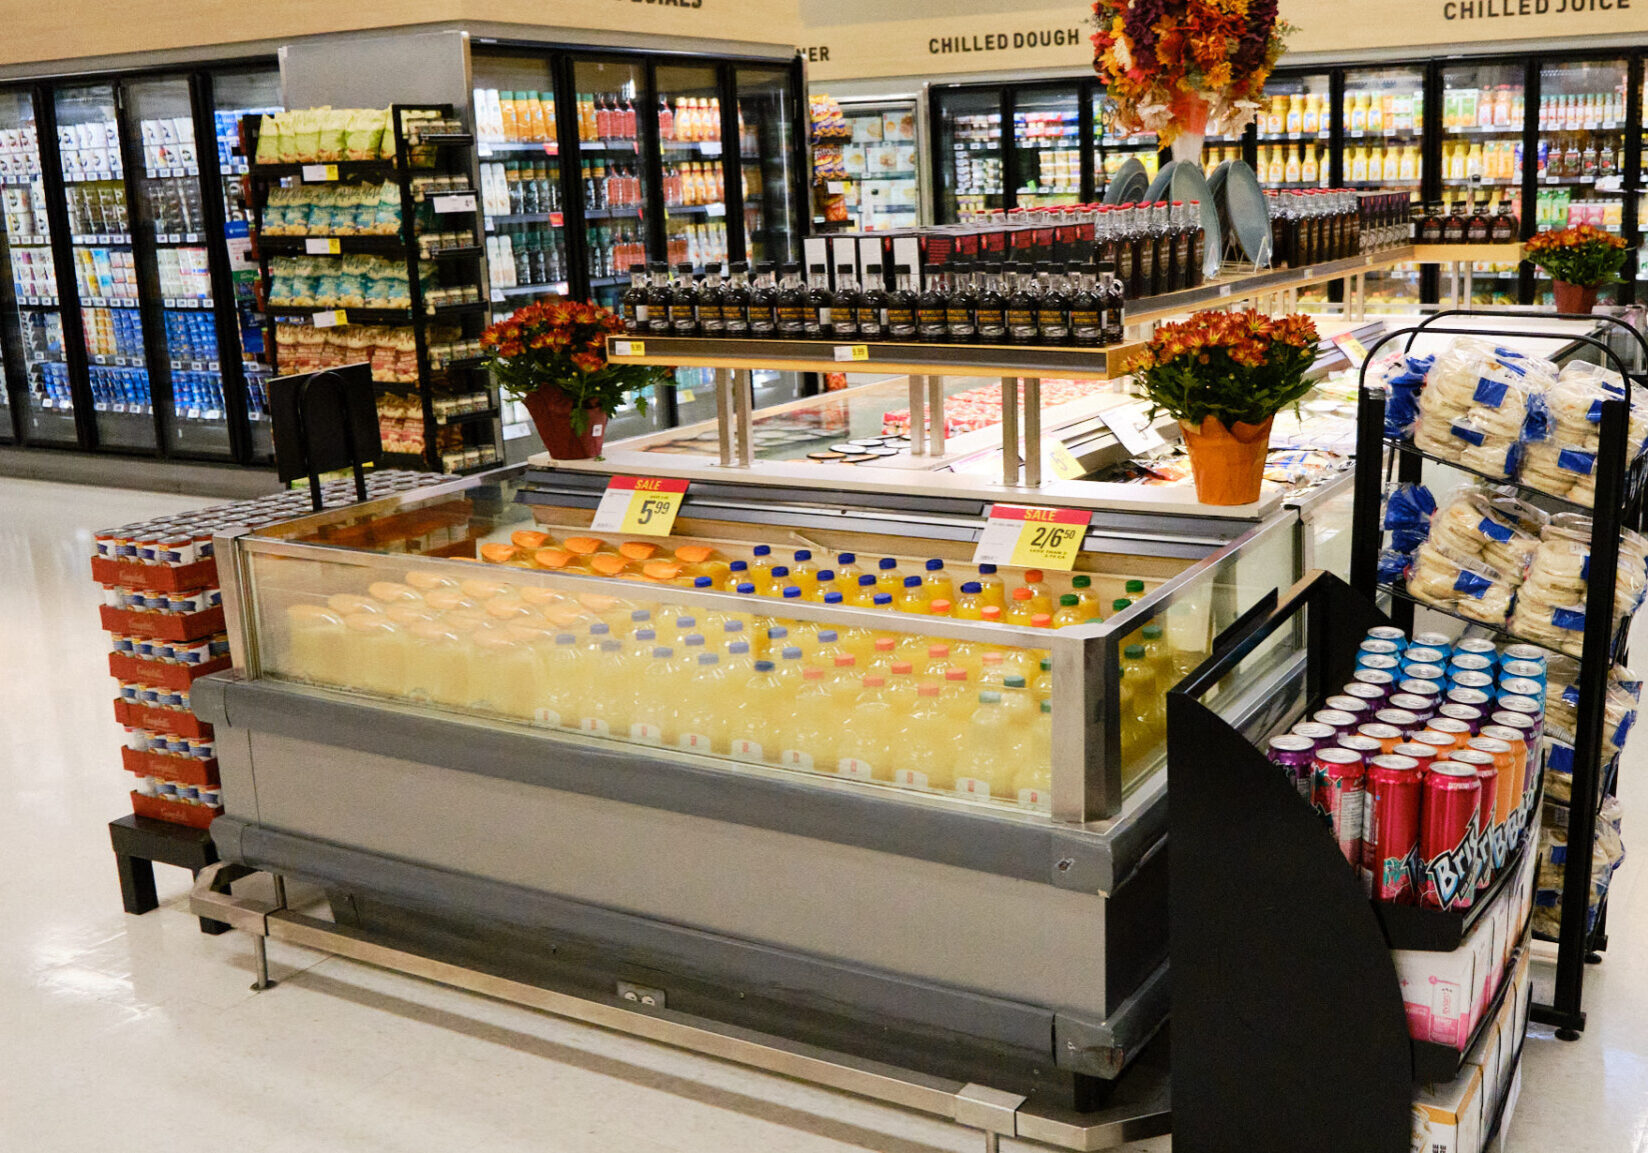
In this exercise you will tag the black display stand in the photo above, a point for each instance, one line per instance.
(140, 842)
(466, 378)
(1619, 487)
(1289, 1032)
(306, 445)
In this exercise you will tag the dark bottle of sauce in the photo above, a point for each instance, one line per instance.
(684, 303)
(1196, 245)
(1161, 246)
(658, 301)
(871, 312)
(1430, 225)
(1503, 229)
(901, 307)
(1021, 305)
(1453, 225)
(1053, 312)
(844, 304)
(932, 317)
(1122, 235)
(990, 314)
(1112, 299)
(816, 323)
(790, 305)
(961, 312)
(1280, 255)
(735, 302)
(1086, 326)
(764, 304)
(1104, 234)
(1179, 230)
(635, 300)
(711, 320)
(1478, 228)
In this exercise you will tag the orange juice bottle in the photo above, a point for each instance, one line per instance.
(847, 571)
(940, 607)
(1083, 587)
(887, 578)
(913, 598)
(1070, 612)
(861, 593)
(994, 588)
(938, 581)
(761, 568)
(1022, 607)
(539, 130)
(506, 105)
(969, 603)
(823, 585)
(1041, 599)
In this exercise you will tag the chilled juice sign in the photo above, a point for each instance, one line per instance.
(1421, 23)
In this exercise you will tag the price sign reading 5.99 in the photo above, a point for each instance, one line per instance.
(642, 505)
(1032, 537)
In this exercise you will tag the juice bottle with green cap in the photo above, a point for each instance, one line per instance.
(1033, 783)
(1134, 589)
(761, 568)
(1090, 601)
(925, 758)
(861, 593)
(868, 733)
(912, 598)
(1041, 599)
(1120, 604)
(1157, 656)
(969, 602)
(994, 588)
(847, 571)
(1016, 699)
(1021, 606)
(1144, 712)
(938, 581)
(823, 584)
(1041, 685)
(1070, 612)
(804, 569)
(809, 740)
(983, 765)
(888, 579)
(757, 715)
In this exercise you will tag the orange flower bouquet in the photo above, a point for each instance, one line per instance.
(1224, 376)
(553, 358)
(1172, 66)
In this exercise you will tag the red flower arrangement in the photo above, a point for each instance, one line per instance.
(563, 345)
(1173, 65)
(1583, 255)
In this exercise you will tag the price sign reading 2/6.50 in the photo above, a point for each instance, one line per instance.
(642, 505)
(1032, 537)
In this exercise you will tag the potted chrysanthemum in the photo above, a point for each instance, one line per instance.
(1224, 376)
(1579, 260)
(553, 358)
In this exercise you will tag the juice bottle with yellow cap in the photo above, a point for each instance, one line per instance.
(868, 733)
(938, 581)
(994, 588)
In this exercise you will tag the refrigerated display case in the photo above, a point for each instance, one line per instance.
(612, 175)
(877, 169)
(1112, 148)
(769, 135)
(1294, 132)
(970, 152)
(694, 168)
(34, 321)
(1047, 142)
(1483, 125)
(1582, 124)
(1382, 121)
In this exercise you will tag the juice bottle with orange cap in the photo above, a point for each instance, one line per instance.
(991, 613)
(902, 685)
(810, 739)
(1041, 598)
(883, 652)
(936, 662)
(925, 757)
(844, 680)
(869, 731)
(940, 607)
(1021, 606)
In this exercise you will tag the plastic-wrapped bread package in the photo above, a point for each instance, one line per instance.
(1404, 377)
(1550, 606)
(1562, 703)
(1460, 583)
(1408, 512)
(1606, 854)
(1479, 403)
(1479, 525)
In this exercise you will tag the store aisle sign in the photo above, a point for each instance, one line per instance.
(1030, 537)
(1011, 38)
(639, 505)
(1417, 23)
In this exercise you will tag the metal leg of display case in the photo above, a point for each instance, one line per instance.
(1010, 430)
(1032, 431)
(918, 415)
(1470, 286)
(743, 386)
(1139, 1107)
(935, 416)
(723, 403)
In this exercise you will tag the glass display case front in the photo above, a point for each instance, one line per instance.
(970, 147)
(520, 171)
(767, 137)
(34, 324)
(1294, 127)
(1383, 118)
(694, 173)
(612, 175)
(1047, 142)
(1581, 123)
(1112, 148)
(1483, 121)
(880, 165)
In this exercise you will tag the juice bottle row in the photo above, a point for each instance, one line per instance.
(1384, 113)
(1500, 106)
(693, 183)
(517, 187)
(514, 117)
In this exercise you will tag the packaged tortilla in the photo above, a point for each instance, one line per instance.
(268, 141)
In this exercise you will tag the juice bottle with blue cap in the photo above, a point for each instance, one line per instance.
(733, 632)
(738, 572)
(791, 663)
(939, 585)
(913, 597)
(809, 739)
(780, 580)
(651, 711)
(883, 601)
(982, 765)
(861, 593)
(758, 715)
(761, 568)
(888, 578)
(847, 571)
(823, 583)
(869, 732)
(560, 696)
(804, 570)
(778, 636)
(700, 724)
(994, 588)
(639, 619)
(826, 647)
(969, 602)
(603, 710)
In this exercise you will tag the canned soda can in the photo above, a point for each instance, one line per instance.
(1521, 687)
(1347, 704)
(168, 650)
(1475, 698)
(1363, 746)
(1530, 706)
(1388, 736)
(104, 544)
(145, 648)
(1420, 655)
(178, 746)
(129, 692)
(1295, 756)
(150, 695)
(1399, 719)
(1423, 672)
(1375, 647)
(1390, 828)
(1338, 720)
(166, 790)
(188, 794)
(1316, 733)
(1519, 755)
(1371, 695)
(1377, 661)
(1380, 679)
(211, 797)
(1423, 755)
(1418, 704)
(1444, 743)
(1506, 796)
(1449, 812)
(1337, 794)
(1477, 646)
(1528, 670)
(1481, 682)
(1431, 691)
(1438, 641)
(1389, 633)
(1459, 730)
(1469, 663)
(1488, 825)
(1470, 714)
(1523, 652)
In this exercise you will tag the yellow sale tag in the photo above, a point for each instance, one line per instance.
(852, 352)
(643, 505)
(1032, 537)
(1352, 348)
(1065, 464)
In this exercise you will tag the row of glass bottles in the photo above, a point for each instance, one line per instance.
(520, 257)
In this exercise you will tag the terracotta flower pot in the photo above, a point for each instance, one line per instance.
(1228, 464)
(1579, 298)
(551, 411)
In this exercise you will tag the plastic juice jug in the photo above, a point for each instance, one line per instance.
(982, 764)
(958, 698)
(500, 677)
(699, 722)
(1145, 711)
(1033, 783)
(847, 571)
(652, 696)
(883, 601)
(733, 633)
(826, 649)
(738, 572)
(804, 572)
(761, 568)
(1312, 119)
(1083, 587)
(868, 733)
(991, 613)
(757, 715)
(315, 644)
(992, 670)
(936, 662)
(1022, 606)
(824, 583)
(925, 757)
(791, 662)
(939, 586)
(861, 593)
(810, 739)
(902, 685)
(883, 652)
(887, 578)
(843, 682)
(1157, 656)
(939, 607)
(969, 602)
(1036, 581)
(912, 598)
(778, 582)
(434, 670)
(376, 661)
(993, 588)
(1041, 685)
(1070, 612)
(1041, 621)
(604, 711)
(1016, 699)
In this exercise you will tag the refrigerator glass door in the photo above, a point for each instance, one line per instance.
(881, 184)
(237, 94)
(612, 177)
(1113, 146)
(689, 136)
(1581, 122)
(970, 153)
(105, 266)
(1482, 117)
(33, 321)
(1293, 126)
(767, 132)
(1047, 139)
(170, 212)
(1384, 118)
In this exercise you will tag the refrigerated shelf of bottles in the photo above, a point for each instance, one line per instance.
(742, 893)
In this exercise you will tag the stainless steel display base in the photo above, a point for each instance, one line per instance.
(1139, 1106)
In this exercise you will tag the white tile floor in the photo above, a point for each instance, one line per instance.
(127, 1032)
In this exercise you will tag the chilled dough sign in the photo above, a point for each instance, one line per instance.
(1004, 41)
(984, 42)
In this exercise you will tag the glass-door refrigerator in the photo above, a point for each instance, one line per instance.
(768, 136)
(236, 94)
(1382, 117)
(1482, 124)
(612, 173)
(1294, 130)
(969, 153)
(1112, 148)
(36, 365)
(104, 266)
(1581, 123)
(1047, 146)
(693, 165)
(879, 168)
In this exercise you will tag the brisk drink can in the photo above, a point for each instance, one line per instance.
(1377, 663)
(1318, 734)
(1423, 655)
(1347, 704)
(1424, 672)
(1376, 647)
(1520, 652)
(1388, 736)
(1468, 663)
(1337, 794)
(1373, 696)
(1422, 755)
(1429, 691)
(1481, 682)
(1340, 722)
(1477, 646)
(1469, 715)
(1519, 754)
(1398, 718)
(1521, 687)
(1507, 794)
(1443, 743)
(1296, 757)
(1488, 827)
(1390, 828)
(1458, 730)
(1389, 633)
(1365, 747)
(1449, 814)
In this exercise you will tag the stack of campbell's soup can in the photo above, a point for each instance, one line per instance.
(1425, 763)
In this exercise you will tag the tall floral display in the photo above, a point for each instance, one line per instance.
(1173, 67)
